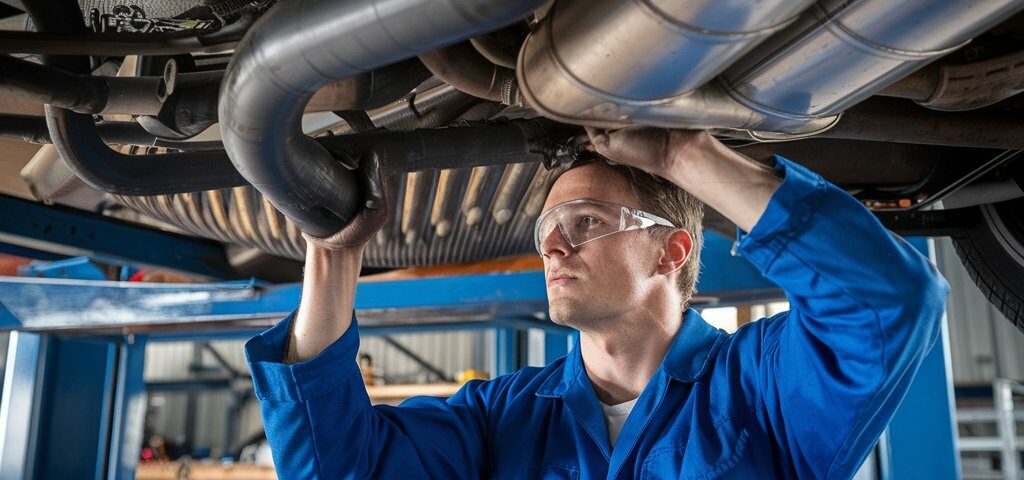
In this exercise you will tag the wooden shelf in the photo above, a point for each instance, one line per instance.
(202, 471)
(396, 393)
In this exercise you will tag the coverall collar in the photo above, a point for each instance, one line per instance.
(686, 360)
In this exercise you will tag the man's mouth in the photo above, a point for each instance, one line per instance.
(560, 279)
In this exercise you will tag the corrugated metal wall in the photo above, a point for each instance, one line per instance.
(449, 351)
(170, 362)
(984, 345)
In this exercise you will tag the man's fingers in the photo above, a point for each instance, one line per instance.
(601, 141)
(374, 182)
(372, 214)
(598, 137)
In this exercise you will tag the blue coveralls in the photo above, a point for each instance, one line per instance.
(803, 394)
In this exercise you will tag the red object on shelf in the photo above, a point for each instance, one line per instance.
(9, 264)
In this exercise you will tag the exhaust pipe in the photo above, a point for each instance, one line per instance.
(844, 52)
(612, 63)
(582, 67)
(302, 45)
(659, 48)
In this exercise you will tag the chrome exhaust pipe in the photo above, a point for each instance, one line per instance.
(301, 45)
(612, 63)
(641, 62)
(841, 53)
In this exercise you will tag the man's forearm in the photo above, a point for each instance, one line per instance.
(328, 297)
(736, 186)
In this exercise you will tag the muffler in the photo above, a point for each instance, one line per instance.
(611, 63)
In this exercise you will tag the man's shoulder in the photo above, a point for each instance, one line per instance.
(522, 384)
(742, 359)
(754, 336)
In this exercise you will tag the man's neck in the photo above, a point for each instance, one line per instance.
(621, 359)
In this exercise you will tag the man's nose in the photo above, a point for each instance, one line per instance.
(555, 244)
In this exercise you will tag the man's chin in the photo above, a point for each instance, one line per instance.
(565, 312)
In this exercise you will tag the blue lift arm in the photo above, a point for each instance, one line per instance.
(32, 226)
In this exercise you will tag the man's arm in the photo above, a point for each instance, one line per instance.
(865, 305)
(328, 296)
(332, 270)
(316, 412)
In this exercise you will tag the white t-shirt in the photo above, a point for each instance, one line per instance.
(615, 417)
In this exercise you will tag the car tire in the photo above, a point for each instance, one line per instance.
(992, 250)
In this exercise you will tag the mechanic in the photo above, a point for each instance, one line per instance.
(650, 389)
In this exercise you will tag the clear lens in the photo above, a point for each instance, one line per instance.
(584, 220)
(580, 221)
(545, 225)
(581, 225)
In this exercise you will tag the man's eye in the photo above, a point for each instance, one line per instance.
(588, 221)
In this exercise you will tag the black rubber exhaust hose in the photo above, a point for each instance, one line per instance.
(76, 137)
(189, 110)
(537, 140)
(50, 86)
(192, 108)
(33, 129)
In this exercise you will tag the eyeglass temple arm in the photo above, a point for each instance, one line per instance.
(652, 218)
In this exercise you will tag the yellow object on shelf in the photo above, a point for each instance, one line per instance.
(471, 374)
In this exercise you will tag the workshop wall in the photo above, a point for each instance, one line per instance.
(451, 352)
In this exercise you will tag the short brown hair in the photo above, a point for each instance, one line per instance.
(669, 201)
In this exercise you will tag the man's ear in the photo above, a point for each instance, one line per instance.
(676, 250)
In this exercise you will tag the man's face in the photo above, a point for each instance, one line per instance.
(608, 277)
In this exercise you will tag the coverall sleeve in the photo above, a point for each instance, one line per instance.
(865, 308)
(321, 425)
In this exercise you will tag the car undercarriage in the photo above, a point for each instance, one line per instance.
(245, 122)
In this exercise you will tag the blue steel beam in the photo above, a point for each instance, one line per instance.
(33, 227)
(75, 400)
(19, 251)
(921, 439)
(58, 304)
(129, 410)
(42, 303)
(507, 355)
(68, 231)
(57, 392)
(79, 268)
(556, 345)
(104, 307)
(19, 408)
(77, 305)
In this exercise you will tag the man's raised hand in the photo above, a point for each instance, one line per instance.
(654, 150)
(376, 180)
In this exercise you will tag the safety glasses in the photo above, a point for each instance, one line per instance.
(584, 220)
